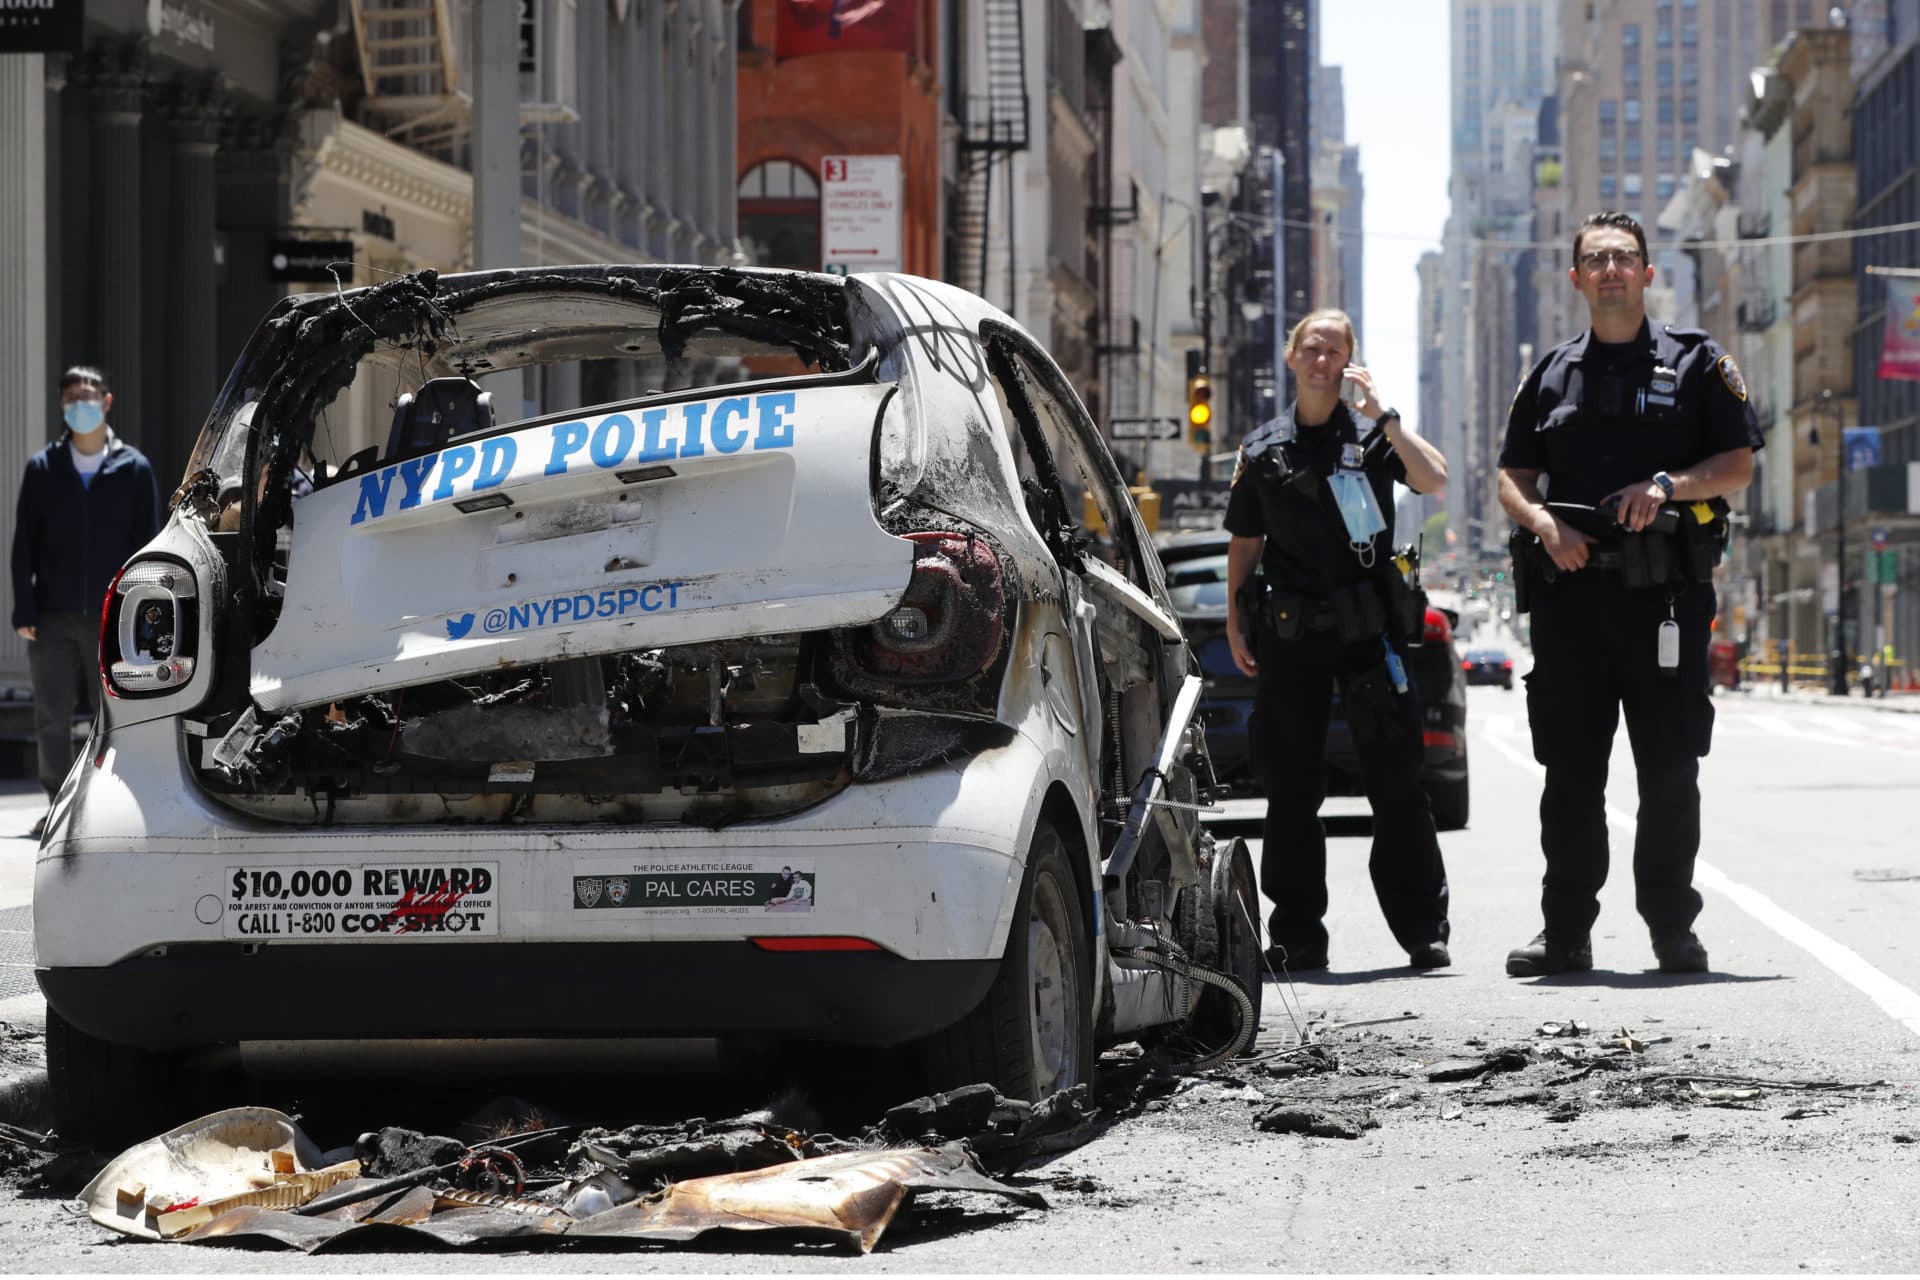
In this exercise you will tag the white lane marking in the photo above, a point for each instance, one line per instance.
(1851, 727)
(1900, 1003)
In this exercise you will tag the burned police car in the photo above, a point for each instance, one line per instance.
(641, 652)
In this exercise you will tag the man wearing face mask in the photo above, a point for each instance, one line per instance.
(1311, 504)
(87, 502)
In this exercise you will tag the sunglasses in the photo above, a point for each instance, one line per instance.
(1600, 260)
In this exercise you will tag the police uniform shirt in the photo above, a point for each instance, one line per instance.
(1595, 417)
(1280, 492)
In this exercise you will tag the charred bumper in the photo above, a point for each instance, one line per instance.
(213, 994)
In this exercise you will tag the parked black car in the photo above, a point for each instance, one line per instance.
(1488, 666)
(1196, 567)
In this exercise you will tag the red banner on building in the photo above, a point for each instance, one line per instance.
(1900, 354)
(834, 26)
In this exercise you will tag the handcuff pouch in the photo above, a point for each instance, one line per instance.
(1646, 561)
(1358, 613)
(1286, 614)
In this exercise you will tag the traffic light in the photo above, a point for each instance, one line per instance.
(1200, 412)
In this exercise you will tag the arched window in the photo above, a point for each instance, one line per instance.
(780, 215)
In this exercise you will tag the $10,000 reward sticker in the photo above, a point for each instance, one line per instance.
(293, 904)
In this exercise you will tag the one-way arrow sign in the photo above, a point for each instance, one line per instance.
(1145, 428)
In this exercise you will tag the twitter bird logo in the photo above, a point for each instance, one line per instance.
(457, 628)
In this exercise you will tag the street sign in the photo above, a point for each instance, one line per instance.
(860, 213)
(1145, 428)
(1863, 447)
(1880, 539)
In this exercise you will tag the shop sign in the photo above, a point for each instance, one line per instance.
(310, 261)
(42, 26)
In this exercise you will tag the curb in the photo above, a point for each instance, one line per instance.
(24, 1101)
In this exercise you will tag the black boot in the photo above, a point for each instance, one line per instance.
(1550, 955)
(1679, 952)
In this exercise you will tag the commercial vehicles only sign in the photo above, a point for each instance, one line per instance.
(860, 213)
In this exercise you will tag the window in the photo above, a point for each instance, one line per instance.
(1689, 72)
(1630, 76)
(1633, 151)
(1633, 111)
(1631, 186)
(1664, 78)
(1689, 109)
(780, 215)
(1609, 112)
(1630, 35)
(1609, 187)
(1689, 34)
(1664, 185)
(1666, 110)
(1663, 37)
(1608, 146)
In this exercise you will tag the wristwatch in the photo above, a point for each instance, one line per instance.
(1388, 413)
(1665, 482)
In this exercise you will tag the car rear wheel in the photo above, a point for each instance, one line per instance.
(106, 1094)
(1033, 1033)
(1449, 802)
(1235, 951)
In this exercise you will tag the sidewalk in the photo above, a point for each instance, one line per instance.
(1907, 703)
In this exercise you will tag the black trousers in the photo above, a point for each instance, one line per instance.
(64, 659)
(1287, 738)
(1595, 652)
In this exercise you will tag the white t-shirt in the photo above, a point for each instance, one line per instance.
(87, 464)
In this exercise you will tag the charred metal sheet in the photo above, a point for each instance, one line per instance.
(224, 1154)
(850, 1197)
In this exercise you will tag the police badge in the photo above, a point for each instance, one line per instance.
(587, 890)
(1730, 374)
(617, 891)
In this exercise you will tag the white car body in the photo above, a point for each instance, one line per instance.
(236, 860)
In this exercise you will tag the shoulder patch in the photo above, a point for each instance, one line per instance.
(1730, 374)
(1239, 468)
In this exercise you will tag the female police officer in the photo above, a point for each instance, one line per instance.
(1310, 506)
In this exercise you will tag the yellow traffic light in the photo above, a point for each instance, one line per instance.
(1200, 412)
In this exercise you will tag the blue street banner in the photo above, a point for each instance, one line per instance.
(1863, 448)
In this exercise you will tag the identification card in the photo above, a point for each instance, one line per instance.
(1669, 645)
(1350, 456)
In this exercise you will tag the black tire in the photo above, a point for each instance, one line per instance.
(1235, 951)
(107, 1094)
(1033, 1033)
(1449, 803)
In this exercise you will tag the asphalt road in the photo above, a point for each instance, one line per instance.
(1811, 874)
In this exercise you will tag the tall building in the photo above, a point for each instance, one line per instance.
(1886, 152)
(1642, 83)
(1502, 58)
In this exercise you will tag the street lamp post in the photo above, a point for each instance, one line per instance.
(1837, 656)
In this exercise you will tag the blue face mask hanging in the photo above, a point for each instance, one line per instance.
(1359, 508)
(83, 416)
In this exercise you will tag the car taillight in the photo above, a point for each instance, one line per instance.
(948, 625)
(1437, 738)
(1465, 666)
(1508, 664)
(1437, 628)
(149, 628)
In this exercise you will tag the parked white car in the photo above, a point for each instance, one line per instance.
(781, 694)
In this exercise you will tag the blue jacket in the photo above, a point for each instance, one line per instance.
(70, 539)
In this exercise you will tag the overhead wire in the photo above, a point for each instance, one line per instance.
(1479, 242)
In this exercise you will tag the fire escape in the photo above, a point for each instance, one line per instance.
(412, 76)
(993, 127)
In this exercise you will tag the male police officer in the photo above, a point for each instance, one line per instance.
(1329, 601)
(1631, 419)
